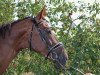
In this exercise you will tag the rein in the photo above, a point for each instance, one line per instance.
(50, 48)
(65, 70)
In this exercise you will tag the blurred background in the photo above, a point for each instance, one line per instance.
(76, 24)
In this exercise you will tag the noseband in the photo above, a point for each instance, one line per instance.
(43, 37)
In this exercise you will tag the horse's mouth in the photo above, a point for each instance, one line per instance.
(58, 56)
(60, 62)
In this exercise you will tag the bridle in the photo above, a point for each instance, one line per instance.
(43, 37)
(50, 48)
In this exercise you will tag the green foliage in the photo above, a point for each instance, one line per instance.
(6, 11)
(30, 62)
(82, 40)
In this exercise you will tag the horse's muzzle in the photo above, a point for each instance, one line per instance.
(59, 57)
(61, 61)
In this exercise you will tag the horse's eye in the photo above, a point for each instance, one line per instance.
(48, 31)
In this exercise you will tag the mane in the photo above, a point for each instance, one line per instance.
(6, 27)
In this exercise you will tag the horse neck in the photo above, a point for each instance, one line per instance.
(13, 43)
(19, 34)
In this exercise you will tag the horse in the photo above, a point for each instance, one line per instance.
(34, 33)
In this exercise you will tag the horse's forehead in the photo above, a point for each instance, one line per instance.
(45, 23)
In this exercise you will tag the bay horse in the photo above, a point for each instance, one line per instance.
(33, 33)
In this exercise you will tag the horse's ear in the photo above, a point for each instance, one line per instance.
(42, 13)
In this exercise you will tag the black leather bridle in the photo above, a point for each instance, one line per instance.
(43, 37)
(50, 48)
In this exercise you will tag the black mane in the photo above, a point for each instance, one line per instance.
(6, 27)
